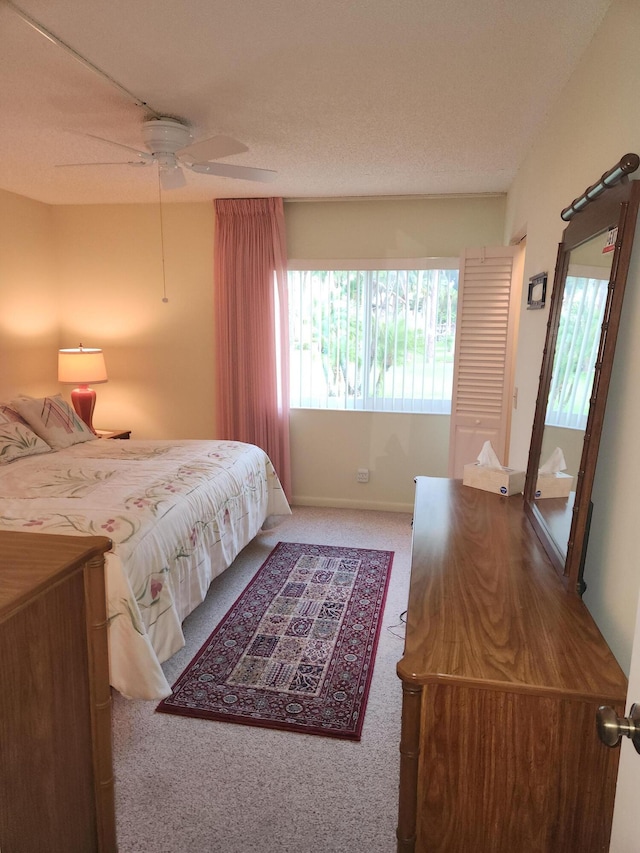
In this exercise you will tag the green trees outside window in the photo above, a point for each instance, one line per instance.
(377, 340)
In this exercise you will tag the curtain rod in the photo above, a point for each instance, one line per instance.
(627, 164)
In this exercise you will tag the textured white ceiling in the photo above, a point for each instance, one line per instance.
(340, 97)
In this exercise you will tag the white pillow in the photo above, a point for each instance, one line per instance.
(53, 419)
(17, 440)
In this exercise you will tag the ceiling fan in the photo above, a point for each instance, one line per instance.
(167, 141)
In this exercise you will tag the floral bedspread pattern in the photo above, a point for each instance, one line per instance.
(177, 513)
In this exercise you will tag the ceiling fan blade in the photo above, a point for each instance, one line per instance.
(144, 155)
(225, 170)
(212, 149)
(172, 178)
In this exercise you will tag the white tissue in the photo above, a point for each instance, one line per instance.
(554, 464)
(487, 457)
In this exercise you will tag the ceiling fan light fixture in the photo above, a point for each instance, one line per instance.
(166, 161)
(171, 177)
(165, 135)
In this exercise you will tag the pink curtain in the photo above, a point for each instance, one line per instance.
(252, 327)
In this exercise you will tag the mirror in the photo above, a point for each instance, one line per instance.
(576, 351)
(586, 305)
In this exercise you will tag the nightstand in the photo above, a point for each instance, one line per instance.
(113, 433)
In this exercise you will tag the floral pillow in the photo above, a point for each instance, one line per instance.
(53, 419)
(17, 440)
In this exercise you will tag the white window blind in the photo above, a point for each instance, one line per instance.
(375, 336)
(577, 345)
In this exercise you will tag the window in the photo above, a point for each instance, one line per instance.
(377, 336)
(576, 353)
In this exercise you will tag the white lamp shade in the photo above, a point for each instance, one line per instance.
(81, 366)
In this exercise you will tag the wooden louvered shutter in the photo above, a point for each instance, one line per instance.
(486, 326)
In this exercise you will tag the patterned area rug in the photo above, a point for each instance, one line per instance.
(296, 650)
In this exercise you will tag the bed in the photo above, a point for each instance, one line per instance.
(177, 513)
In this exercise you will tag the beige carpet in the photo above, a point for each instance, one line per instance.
(186, 785)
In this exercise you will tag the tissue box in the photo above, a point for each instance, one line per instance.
(502, 481)
(556, 485)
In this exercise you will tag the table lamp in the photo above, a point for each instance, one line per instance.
(82, 366)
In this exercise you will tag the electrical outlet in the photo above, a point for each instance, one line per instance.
(363, 475)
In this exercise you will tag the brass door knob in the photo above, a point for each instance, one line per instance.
(611, 727)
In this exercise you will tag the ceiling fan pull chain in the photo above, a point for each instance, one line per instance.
(165, 298)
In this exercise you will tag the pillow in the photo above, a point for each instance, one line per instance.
(53, 419)
(17, 440)
(9, 415)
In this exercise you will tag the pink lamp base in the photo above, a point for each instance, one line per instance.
(84, 401)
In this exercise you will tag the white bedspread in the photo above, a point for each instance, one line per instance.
(177, 512)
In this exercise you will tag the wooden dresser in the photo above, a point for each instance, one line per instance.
(502, 674)
(56, 778)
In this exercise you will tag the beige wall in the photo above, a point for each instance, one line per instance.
(393, 228)
(29, 304)
(594, 123)
(328, 447)
(94, 275)
(159, 355)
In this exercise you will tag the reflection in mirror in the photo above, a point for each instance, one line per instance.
(583, 305)
(586, 306)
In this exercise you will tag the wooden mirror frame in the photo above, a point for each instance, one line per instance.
(613, 201)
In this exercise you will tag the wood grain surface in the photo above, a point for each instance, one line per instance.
(487, 607)
(56, 775)
(502, 674)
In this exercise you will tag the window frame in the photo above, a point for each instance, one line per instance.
(373, 265)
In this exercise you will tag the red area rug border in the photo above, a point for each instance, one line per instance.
(355, 735)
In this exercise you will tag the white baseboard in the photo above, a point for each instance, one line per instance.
(339, 503)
